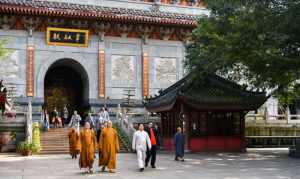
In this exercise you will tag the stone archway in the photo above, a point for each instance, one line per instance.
(66, 83)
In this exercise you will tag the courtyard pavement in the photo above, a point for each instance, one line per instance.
(255, 164)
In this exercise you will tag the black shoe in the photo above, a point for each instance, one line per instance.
(153, 166)
(146, 165)
(176, 159)
(141, 169)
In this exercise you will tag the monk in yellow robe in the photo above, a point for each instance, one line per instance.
(88, 146)
(109, 147)
(74, 143)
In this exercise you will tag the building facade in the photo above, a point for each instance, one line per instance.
(211, 112)
(130, 45)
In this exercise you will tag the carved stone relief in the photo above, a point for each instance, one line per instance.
(123, 68)
(9, 66)
(165, 70)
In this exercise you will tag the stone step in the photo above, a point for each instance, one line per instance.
(56, 141)
(53, 152)
(55, 148)
(53, 139)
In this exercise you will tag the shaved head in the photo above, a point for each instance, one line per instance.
(109, 124)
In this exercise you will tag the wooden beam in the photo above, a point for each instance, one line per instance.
(101, 74)
(145, 74)
(30, 71)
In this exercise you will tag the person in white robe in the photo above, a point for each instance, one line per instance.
(140, 142)
(105, 115)
(101, 117)
(75, 121)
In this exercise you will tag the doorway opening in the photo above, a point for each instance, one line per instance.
(66, 83)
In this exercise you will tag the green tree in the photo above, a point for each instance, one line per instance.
(3, 50)
(253, 42)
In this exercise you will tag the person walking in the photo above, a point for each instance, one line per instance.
(88, 147)
(46, 120)
(105, 114)
(65, 115)
(109, 147)
(151, 153)
(90, 120)
(98, 126)
(179, 141)
(101, 116)
(74, 143)
(75, 121)
(56, 119)
(140, 142)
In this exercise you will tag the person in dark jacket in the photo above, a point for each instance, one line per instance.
(151, 153)
(179, 141)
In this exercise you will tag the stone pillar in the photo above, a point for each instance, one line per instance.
(288, 114)
(29, 123)
(30, 25)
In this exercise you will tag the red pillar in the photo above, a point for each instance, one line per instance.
(242, 131)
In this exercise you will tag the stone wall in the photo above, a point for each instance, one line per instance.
(119, 51)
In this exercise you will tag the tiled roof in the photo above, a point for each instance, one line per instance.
(63, 9)
(211, 93)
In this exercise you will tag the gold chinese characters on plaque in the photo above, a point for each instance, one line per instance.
(67, 37)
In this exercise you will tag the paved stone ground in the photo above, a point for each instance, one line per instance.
(274, 164)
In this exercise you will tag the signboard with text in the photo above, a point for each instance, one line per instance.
(67, 37)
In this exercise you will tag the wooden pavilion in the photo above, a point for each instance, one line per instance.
(211, 111)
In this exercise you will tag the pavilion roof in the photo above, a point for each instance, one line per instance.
(210, 93)
(69, 10)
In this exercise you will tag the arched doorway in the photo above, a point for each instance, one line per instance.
(66, 83)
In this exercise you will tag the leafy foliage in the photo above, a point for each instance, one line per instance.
(123, 136)
(253, 42)
(3, 50)
(24, 146)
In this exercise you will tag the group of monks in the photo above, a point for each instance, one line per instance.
(86, 144)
